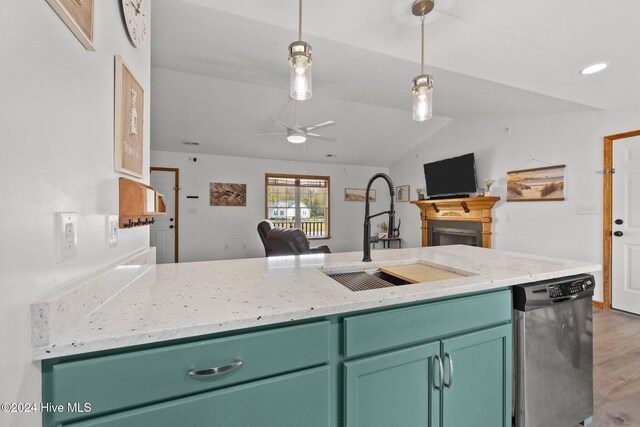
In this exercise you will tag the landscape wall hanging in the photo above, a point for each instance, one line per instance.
(402, 193)
(225, 194)
(78, 16)
(358, 195)
(536, 185)
(129, 121)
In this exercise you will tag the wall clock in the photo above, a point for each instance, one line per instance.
(135, 18)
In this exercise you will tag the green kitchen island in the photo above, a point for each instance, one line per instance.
(276, 342)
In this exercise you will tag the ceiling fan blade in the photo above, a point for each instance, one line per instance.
(283, 124)
(320, 125)
(322, 138)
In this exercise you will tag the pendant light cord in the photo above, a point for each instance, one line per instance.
(299, 20)
(422, 48)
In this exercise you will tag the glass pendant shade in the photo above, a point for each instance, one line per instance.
(300, 87)
(422, 97)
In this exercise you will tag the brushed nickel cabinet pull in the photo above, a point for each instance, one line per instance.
(219, 370)
(448, 384)
(441, 369)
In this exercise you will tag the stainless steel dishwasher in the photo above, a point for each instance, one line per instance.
(553, 352)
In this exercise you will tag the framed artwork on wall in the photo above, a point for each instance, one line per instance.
(402, 193)
(78, 16)
(129, 121)
(225, 194)
(358, 195)
(536, 185)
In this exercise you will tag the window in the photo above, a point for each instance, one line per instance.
(302, 202)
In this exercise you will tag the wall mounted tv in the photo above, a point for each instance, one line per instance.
(449, 178)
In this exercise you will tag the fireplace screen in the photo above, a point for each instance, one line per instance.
(443, 233)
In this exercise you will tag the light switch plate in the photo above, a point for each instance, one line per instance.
(66, 236)
(112, 231)
(588, 210)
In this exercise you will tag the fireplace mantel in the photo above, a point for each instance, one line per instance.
(472, 209)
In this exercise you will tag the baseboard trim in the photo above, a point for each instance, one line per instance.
(598, 304)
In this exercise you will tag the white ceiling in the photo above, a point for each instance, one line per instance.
(487, 58)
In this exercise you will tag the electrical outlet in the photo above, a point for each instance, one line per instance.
(66, 236)
(112, 231)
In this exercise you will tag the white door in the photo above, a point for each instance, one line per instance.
(625, 255)
(164, 232)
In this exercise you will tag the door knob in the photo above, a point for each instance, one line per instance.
(170, 219)
(171, 226)
(618, 233)
(619, 221)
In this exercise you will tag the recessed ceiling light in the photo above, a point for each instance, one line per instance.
(595, 68)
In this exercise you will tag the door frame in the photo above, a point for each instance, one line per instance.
(607, 214)
(177, 203)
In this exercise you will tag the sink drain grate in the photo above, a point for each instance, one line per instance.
(360, 281)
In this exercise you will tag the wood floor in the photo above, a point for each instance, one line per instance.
(616, 371)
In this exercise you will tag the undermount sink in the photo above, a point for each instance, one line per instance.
(363, 280)
(395, 275)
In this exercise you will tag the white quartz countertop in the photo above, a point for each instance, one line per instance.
(172, 301)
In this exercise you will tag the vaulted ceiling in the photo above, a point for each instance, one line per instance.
(488, 58)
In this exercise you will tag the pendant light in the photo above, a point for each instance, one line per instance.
(422, 87)
(300, 64)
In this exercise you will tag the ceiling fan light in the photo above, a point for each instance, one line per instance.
(422, 90)
(297, 138)
(300, 61)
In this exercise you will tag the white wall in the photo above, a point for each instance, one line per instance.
(56, 131)
(203, 235)
(545, 228)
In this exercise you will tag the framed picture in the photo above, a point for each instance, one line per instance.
(536, 185)
(225, 194)
(402, 193)
(129, 121)
(78, 16)
(358, 195)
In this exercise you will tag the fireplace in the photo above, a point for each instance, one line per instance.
(443, 233)
(465, 221)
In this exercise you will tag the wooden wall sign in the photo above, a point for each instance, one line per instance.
(129, 121)
(78, 15)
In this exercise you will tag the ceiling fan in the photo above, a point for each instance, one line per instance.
(298, 134)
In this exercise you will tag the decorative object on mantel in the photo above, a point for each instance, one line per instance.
(225, 194)
(470, 210)
(402, 193)
(129, 121)
(488, 182)
(136, 20)
(420, 192)
(78, 15)
(139, 203)
(536, 185)
(422, 87)
(358, 195)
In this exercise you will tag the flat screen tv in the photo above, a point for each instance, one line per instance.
(455, 177)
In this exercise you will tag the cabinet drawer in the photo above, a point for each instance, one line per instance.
(293, 400)
(126, 380)
(373, 332)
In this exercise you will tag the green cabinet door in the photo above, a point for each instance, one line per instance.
(480, 389)
(394, 389)
(293, 400)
